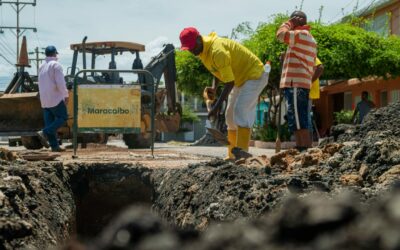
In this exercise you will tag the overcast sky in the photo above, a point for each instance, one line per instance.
(150, 22)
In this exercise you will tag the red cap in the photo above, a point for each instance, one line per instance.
(188, 38)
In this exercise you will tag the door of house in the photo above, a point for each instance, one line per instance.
(384, 98)
(338, 105)
(338, 102)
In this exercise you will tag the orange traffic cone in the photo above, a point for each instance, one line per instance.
(23, 60)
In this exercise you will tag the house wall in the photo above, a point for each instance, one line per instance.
(332, 97)
(335, 96)
(394, 11)
(395, 26)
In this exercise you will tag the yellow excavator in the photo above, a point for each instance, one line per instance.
(21, 113)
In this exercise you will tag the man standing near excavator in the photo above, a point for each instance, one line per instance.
(297, 73)
(242, 74)
(53, 98)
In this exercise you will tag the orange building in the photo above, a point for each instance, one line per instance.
(344, 95)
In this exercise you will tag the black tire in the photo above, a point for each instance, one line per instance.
(31, 142)
(142, 140)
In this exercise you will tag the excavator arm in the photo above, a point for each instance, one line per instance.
(164, 64)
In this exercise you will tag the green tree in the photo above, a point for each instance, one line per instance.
(346, 51)
(193, 77)
(242, 30)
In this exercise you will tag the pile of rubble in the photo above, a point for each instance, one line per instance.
(7, 155)
(38, 201)
(36, 205)
(307, 223)
(365, 159)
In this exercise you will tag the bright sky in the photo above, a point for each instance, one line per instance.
(150, 22)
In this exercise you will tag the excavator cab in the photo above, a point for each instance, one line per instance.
(104, 48)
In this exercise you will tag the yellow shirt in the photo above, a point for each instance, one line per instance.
(230, 61)
(314, 91)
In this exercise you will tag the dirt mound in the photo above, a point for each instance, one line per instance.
(35, 205)
(41, 202)
(7, 155)
(383, 120)
(214, 191)
(372, 149)
(309, 223)
(218, 191)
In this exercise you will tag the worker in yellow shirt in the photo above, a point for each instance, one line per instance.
(314, 93)
(242, 74)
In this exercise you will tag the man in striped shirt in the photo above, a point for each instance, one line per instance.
(297, 72)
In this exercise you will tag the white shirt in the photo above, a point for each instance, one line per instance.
(52, 86)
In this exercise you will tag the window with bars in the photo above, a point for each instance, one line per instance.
(348, 101)
(379, 24)
(357, 99)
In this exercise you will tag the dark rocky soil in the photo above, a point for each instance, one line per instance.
(313, 222)
(35, 205)
(217, 205)
(44, 204)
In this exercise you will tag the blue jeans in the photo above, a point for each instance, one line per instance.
(297, 108)
(54, 118)
(310, 116)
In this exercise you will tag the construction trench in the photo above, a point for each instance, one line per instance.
(343, 194)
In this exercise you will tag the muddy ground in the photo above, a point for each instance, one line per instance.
(213, 204)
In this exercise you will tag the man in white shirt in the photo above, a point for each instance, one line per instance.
(53, 98)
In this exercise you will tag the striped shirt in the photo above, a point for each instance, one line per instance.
(298, 66)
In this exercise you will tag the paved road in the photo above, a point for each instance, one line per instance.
(210, 151)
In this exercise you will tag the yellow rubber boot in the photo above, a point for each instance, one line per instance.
(243, 138)
(232, 143)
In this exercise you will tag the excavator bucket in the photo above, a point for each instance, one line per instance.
(168, 123)
(20, 110)
(20, 113)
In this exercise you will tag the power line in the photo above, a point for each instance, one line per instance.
(6, 60)
(18, 7)
(6, 43)
(2, 39)
(341, 11)
(2, 51)
(367, 8)
(5, 49)
(10, 51)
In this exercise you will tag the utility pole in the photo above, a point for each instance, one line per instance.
(18, 6)
(37, 59)
(321, 9)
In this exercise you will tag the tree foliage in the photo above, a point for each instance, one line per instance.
(193, 77)
(346, 51)
(264, 44)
